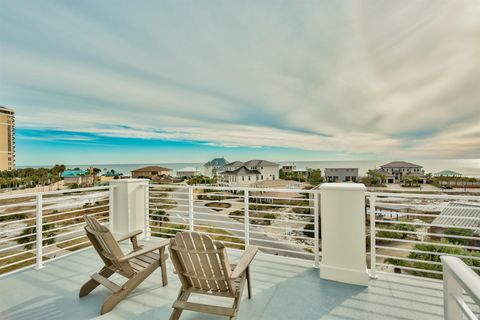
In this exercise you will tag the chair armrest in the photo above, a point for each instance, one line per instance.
(148, 249)
(128, 235)
(244, 261)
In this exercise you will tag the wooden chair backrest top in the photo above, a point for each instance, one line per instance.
(201, 263)
(106, 245)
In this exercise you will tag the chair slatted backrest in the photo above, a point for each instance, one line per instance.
(201, 263)
(106, 245)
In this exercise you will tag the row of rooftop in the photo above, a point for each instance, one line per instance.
(249, 173)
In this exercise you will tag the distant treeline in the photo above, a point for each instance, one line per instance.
(30, 177)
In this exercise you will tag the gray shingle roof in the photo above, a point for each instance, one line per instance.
(234, 164)
(400, 164)
(242, 171)
(260, 163)
(459, 215)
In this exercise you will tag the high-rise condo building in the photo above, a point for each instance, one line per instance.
(7, 139)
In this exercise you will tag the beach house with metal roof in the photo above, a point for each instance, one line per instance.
(187, 172)
(77, 176)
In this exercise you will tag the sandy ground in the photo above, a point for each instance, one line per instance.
(52, 187)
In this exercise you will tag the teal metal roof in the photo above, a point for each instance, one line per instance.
(447, 173)
(73, 173)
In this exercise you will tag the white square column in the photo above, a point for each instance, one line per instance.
(343, 233)
(128, 205)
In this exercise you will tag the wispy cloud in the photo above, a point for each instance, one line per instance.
(397, 78)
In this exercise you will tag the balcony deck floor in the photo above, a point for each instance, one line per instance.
(282, 289)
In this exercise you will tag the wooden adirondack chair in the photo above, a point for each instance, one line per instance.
(136, 266)
(203, 267)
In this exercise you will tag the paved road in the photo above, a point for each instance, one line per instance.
(224, 221)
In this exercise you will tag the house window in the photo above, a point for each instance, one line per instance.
(273, 177)
(262, 176)
(243, 178)
(249, 178)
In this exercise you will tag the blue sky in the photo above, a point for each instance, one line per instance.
(179, 81)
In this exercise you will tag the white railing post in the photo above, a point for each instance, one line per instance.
(148, 230)
(110, 207)
(344, 258)
(373, 249)
(128, 205)
(246, 216)
(190, 208)
(451, 290)
(316, 217)
(457, 279)
(39, 232)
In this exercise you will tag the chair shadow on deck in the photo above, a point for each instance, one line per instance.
(281, 290)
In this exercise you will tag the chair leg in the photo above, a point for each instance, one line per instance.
(91, 284)
(236, 305)
(163, 267)
(182, 296)
(249, 288)
(128, 287)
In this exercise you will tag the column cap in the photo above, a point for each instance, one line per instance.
(343, 186)
(125, 181)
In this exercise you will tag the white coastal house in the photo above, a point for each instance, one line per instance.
(213, 167)
(239, 173)
(396, 171)
(187, 172)
(341, 174)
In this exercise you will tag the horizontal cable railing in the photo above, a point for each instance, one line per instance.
(279, 221)
(39, 227)
(409, 232)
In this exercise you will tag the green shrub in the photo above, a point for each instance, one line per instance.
(429, 257)
(459, 232)
(396, 235)
(32, 236)
(309, 229)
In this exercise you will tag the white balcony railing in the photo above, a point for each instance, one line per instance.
(406, 235)
(39, 227)
(458, 280)
(279, 221)
(410, 232)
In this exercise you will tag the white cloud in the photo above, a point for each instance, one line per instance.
(354, 77)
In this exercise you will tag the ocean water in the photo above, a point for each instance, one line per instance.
(467, 167)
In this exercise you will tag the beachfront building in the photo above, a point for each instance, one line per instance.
(240, 177)
(77, 176)
(7, 139)
(341, 174)
(448, 174)
(289, 167)
(187, 172)
(396, 171)
(247, 173)
(151, 172)
(213, 167)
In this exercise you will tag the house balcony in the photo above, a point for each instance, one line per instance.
(282, 289)
(298, 273)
